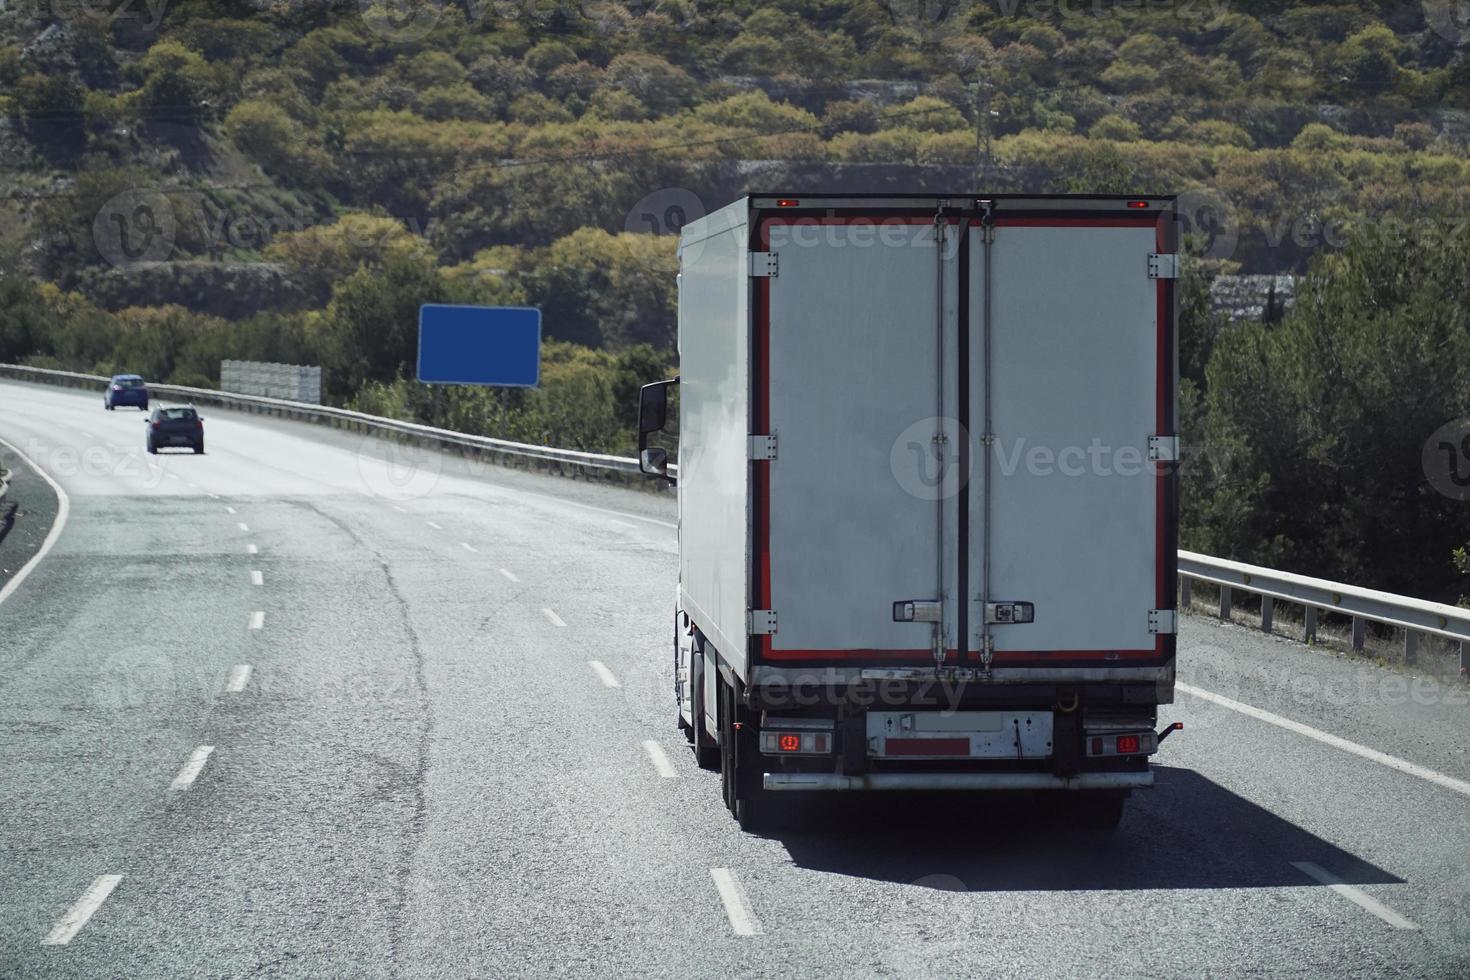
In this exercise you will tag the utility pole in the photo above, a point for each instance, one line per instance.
(984, 157)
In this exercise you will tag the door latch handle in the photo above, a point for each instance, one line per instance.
(918, 611)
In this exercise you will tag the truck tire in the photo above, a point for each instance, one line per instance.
(1098, 810)
(740, 769)
(706, 750)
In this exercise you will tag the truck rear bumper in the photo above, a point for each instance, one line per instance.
(827, 781)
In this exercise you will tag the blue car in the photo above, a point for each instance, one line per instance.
(125, 389)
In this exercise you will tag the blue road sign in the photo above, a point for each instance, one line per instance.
(480, 345)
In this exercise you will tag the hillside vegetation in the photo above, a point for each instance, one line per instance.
(189, 181)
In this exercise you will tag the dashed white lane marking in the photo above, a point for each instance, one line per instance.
(736, 907)
(257, 619)
(173, 476)
(63, 508)
(256, 577)
(661, 763)
(251, 549)
(468, 547)
(244, 526)
(1357, 896)
(437, 527)
(609, 679)
(191, 769)
(509, 574)
(214, 496)
(239, 677)
(71, 923)
(552, 617)
(229, 509)
(401, 510)
(1326, 738)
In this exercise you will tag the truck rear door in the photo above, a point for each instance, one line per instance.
(1079, 524)
(853, 350)
(938, 482)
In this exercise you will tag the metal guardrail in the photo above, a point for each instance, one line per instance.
(1415, 617)
(565, 462)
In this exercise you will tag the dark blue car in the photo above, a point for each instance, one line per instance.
(125, 389)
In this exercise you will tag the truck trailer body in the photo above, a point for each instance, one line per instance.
(927, 493)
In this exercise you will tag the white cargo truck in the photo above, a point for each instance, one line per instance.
(927, 485)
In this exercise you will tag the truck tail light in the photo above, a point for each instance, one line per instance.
(796, 743)
(787, 202)
(1139, 205)
(1127, 744)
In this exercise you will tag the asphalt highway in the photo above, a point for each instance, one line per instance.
(307, 706)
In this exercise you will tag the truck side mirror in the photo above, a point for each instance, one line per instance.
(653, 407)
(653, 415)
(654, 461)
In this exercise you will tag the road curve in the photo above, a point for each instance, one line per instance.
(304, 707)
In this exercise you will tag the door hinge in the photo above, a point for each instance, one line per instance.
(765, 265)
(763, 447)
(1163, 449)
(762, 622)
(1163, 621)
(1163, 265)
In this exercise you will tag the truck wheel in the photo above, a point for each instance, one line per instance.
(706, 751)
(1098, 810)
(744, 796)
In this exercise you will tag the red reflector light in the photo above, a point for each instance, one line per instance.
(1127, 744)
(1138, 204)
(787, 202)
(1097, 746)
(790, 743)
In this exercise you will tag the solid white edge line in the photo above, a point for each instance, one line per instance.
(553, 617)
(63, 508)
(256, 578)
(1362, 751)
(239, 677)
(71, 923)
(1355, 895)
(468, 547)
(623, 524)
(660, 760)
(736, 907)
(257, 619)
(251, 549)
(191, 769)
(509, 574)
(602, 510)
(609, 679)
